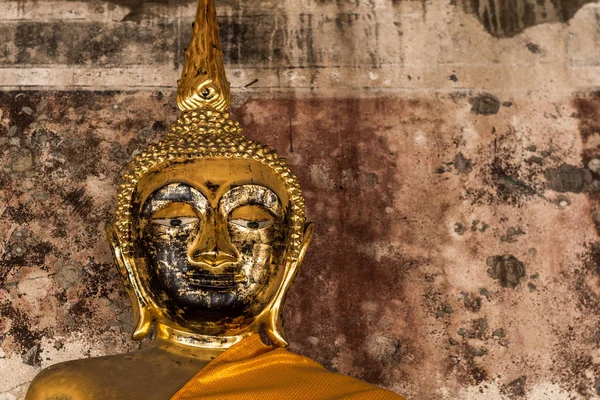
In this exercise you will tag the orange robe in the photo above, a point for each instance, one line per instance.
(252, 370)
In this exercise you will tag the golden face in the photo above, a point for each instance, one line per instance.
(207, 183)
(210, 245)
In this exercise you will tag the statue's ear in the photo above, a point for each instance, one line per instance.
(309, 228)
(141, 312)
(273, 327)
(115, 245)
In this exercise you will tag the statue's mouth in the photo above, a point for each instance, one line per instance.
(213, 281)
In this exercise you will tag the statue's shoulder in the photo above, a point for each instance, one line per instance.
(73, 380)
(58, 381)
(157, 375)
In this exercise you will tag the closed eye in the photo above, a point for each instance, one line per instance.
(174, 222)
(251, 224)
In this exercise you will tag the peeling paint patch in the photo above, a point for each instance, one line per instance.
(506, 269)
(462, 164)
(485, 104)
(506, 18)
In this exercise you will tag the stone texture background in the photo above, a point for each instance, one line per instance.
(449, 152)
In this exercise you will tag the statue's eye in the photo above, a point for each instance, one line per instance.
(174, 222)
(252, 224)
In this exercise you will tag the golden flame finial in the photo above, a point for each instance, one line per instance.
(203, 81)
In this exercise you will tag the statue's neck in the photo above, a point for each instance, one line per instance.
(194, 343)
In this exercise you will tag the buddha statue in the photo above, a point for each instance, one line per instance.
(209, 233)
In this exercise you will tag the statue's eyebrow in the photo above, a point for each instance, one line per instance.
(174, 192)
(251, 195)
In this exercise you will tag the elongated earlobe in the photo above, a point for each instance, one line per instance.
(144, 321)
(141, 313)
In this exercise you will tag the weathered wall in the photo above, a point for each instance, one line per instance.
(449, 152)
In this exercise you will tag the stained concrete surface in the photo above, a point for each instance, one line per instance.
(451, 171)
(391, 290)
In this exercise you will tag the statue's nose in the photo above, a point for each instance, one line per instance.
(213, 247)
(214, 257)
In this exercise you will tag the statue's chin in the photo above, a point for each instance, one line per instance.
(212, 312)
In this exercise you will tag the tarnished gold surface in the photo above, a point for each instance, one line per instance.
(208, 236)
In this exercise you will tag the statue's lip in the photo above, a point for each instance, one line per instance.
(213, 281)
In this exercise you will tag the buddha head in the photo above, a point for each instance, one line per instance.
(210, 226)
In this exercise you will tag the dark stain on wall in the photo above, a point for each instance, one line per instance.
(140, 10)
(505, 177)
(506, 269)
(485, 104)
(506, 18)
(534, 48)
(588, 115)
(21, 330)
(86, 43)
(568, 178)
(246, 41)
(515, 389)
(462, 164)
(512, 174)
(110, 44)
